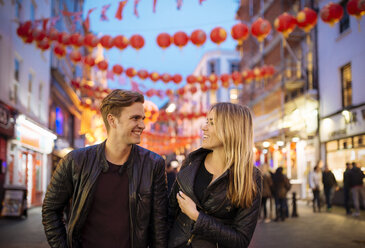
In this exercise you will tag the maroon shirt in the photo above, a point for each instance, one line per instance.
(107, 224)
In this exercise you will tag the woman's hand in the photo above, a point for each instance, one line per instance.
(187, 206)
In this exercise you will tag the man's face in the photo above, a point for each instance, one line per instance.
(129, 126)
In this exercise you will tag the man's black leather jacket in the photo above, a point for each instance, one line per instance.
(72, 184)
(220, 224)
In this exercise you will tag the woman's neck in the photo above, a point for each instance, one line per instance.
(215, 162)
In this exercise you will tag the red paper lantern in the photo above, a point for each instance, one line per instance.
(177, 78)
(225, 84)
(225, 78)
(120, 42)
(165, 77)
(248, 75)
(213, 78)
(285, 24)
(306, 19)
(180, 39)
(76, 40)
(91, 41)
(181, 91)
(52, 34)
(214, 86)
(64, 39)
(142, 74)
(203, 87)
(106, 41)
(89, 61)
(154, 76)
(44, 44)
(240, 32)
(236, 77)
(59, 51)
(117, 69)
(163, 40)
(201, 79)
(38, 34)
(258, 72)
(198, 37)
(169, 92)
(331, 13)
(356, 8)
(260, 29)
(218, 35)
(150, 92)
(131, 72)
(137, 41)
(102, 65)
(24, 30)
(75, 56)
(193, 89)
(191, 79)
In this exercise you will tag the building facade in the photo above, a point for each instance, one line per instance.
(25, 87)
(341, 56)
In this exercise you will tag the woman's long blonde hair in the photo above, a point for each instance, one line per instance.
(234, 128)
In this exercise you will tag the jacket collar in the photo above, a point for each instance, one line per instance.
(186, 176)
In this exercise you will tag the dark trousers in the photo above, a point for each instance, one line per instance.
(280, 207)
(316, 200)
(328, 192)
(346, 192)
(263, 205)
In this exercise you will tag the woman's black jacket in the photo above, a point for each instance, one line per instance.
(220, 224)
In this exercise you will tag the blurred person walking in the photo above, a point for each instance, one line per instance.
(347, 187)
(315, 182)
(281, 186)
(215, 201)
(329, 185)
(267, 185)
(171, 176)
(357, 188)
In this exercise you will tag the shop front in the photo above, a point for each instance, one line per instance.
(28, 159)
(343, 140)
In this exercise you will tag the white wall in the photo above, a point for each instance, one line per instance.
(32, 60)
(334, 51)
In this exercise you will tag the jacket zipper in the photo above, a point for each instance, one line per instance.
(190, 239)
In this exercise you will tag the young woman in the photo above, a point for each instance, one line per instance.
(215, 201)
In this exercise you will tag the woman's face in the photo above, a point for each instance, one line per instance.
(210, 138)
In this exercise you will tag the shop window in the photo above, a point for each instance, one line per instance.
(346, 82)
(212, 67)
(32, 11)
(359, 141)
(346, 143)
(234, 66)
(332, 146)
(345, 20)
(18, 8)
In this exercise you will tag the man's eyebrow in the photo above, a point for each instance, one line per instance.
(134, 116)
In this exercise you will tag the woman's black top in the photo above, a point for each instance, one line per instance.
(202, 180)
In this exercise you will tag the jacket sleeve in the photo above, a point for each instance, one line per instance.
(159, 206)
(239, 234)
(58, 195)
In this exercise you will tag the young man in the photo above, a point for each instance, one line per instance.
(116, 191)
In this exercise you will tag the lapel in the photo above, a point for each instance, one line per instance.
(185, 178)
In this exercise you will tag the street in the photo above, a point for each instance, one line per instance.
(333, 229)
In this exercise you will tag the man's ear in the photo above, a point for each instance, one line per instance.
(111, 120)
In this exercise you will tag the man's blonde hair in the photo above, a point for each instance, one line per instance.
(234, 128)
(115, 101)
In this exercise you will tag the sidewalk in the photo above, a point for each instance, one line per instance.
(309, 230)
(334, 229)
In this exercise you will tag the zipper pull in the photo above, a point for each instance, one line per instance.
(139, 197)
(191, 239)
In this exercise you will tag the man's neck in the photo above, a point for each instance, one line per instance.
(117, 152)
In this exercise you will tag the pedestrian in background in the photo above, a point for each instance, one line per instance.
(347, 187)
(357, 188)
(116, 190)
(216, 198)
(266, 190)
(281, 186)
(171, 176)
(329, 186)
(315, 182)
